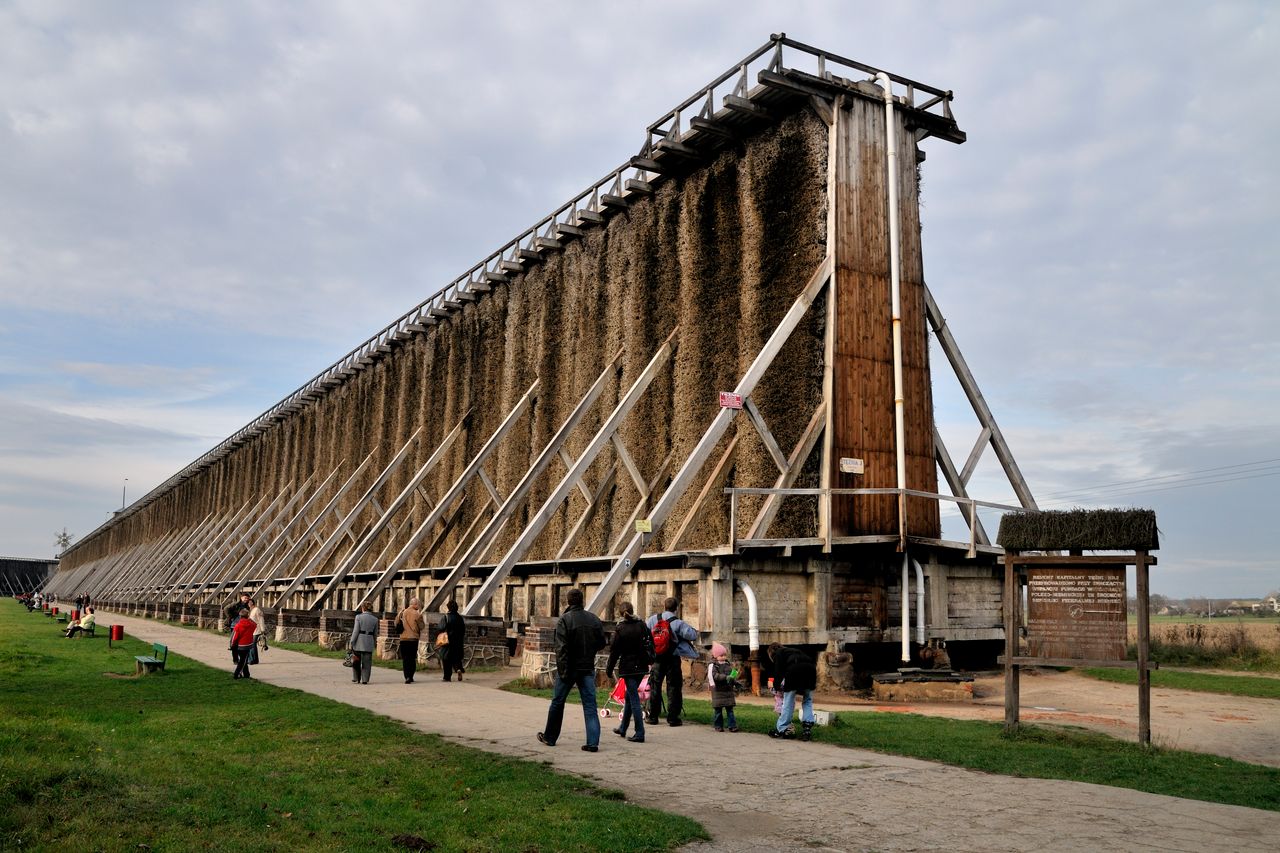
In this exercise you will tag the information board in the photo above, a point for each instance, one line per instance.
(1076, 613)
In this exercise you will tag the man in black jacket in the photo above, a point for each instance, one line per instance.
(632, 653)
(579, 635)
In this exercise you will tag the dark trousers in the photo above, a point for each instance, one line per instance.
(586, 684)
(241, 654)
(632, 707)
(362, 667)
(666, 669)
(721, 722)
(452, 660)
(409, 658)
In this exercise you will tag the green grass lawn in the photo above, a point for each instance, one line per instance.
(1035, 751)
(190, 759)
(1234, 685)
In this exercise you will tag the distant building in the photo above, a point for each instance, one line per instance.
(22, 574)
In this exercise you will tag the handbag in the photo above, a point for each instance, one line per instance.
(442, 640)
(350, 658)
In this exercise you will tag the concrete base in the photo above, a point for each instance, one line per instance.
(923, 691)
(292, 634)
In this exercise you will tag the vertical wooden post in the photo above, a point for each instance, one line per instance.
(1011, 620)
(1144, 652)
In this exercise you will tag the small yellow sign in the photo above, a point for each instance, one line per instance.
(644, 525)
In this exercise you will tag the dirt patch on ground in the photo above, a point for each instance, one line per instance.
(1243, 728)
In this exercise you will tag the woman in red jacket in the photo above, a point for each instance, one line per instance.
(242, 642)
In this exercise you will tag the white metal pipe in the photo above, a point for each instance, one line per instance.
(919, 601)
(906, 610)
(895, 289)
(753, 616)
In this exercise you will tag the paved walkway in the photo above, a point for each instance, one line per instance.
(753, 793)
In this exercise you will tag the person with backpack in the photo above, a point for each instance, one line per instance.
(632, 653)
(672, 642)
(794, 672)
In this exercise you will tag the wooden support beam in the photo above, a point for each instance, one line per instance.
(646, 491)
(401, 500)
(452, 493)
(698, 457)
(593, 502)
(770, 443)
(347, 520)
(975, 454)
(543, 516)
(786, 479)
(709, 488)
(957, 486)
(521, 491)
(970, 385)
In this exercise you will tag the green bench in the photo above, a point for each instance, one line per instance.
(150, 663)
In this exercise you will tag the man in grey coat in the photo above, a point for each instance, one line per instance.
(364, 639)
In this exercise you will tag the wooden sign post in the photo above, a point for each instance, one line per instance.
(1075, 616)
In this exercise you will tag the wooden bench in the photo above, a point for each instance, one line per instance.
(86, 632)
(150, 663)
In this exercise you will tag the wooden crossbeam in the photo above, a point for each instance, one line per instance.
(358, 551)
(178, 578)
(452, 493)
(698, 457)
(593, 502)
(709, 488)
(543, 516)
(646, 491)
(980, 408)
(786, 479)
(347, 520)
(518, 494)
(966, 473)
(770, 443)
(283, 538)
(957, 484)
(263, 534)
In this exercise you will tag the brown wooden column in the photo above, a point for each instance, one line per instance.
(861, 419)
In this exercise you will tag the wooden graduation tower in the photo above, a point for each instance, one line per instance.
(705, 375)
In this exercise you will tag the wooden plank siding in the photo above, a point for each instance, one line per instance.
(862, 415)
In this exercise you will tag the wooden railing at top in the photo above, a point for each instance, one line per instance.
(587, 208)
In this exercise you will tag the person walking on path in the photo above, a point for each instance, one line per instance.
(579, 635)
(242, 643)
(724, 688)
(364, 636)
(455, 628)
(411, 623)
(632, 654)
(794, 672)
(672, 643)
(259, 630)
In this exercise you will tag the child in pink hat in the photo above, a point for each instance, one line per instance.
(720, 677)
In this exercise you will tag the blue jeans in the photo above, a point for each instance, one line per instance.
(789, 708)
(632, 708)
(724, 718)
(586, 684)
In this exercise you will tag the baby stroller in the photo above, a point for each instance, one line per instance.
(618, 698)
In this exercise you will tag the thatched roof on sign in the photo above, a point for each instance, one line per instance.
(1082, 529)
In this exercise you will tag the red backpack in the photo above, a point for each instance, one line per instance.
(664, 641)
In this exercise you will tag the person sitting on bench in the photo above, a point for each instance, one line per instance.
(83, 624)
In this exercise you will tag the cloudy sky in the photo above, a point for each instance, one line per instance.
(202, 206)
